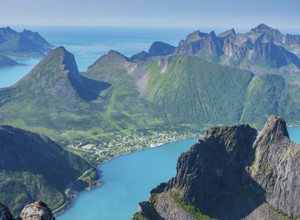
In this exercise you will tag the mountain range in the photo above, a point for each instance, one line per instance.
(233, 173)
(162, 88)
(261, 50)
(207, 80)
(16, 45)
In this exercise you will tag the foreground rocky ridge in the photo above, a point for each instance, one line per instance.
(35, 211)
(233, 173)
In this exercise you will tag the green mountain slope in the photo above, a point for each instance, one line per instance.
(271, 94)
(52, 98)
(33, 167)
(117, 94)
(196, 92)
(56, 100)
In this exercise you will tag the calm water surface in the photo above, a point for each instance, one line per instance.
(126, 181)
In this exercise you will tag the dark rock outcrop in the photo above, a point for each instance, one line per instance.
(235, 173)
(160, 49)
(33, 167)
(5, 213)
(139, 57)
(219, 159)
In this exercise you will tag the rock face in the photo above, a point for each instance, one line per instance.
(219, 159)
(5, 213)
(235, 173)
(276, 167)
(160, 49)
(256, 50)
(36, 211)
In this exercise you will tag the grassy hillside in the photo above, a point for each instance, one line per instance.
(195, 92)
(33, 167)
(271, 94)
(117, 96)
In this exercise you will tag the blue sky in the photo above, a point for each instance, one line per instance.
(227, 13)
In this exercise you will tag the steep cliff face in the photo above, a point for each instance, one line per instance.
(276, 167)
(219, 159)
(160, 49)
(258, 50)
(233, 173)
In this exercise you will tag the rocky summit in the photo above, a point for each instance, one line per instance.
(35, 211)
(232, 173)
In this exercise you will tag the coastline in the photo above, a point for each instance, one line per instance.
(71, 194)
(293, 125)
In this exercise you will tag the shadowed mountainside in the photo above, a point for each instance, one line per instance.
(33, 167)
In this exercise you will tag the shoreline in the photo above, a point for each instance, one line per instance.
(293, 125)
(71, 195)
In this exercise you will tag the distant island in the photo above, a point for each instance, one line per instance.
(15, 45)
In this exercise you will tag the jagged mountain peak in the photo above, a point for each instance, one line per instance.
(7, 29)
(263, 28)
(212, 34)
(58, 63)
(159, 48)
(57, 75)
(228, 33)
(220, 184)
(139, 57)
(274, 127)
(195, 36)
(113, 57)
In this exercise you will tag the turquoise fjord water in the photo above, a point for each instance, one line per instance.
(128, 180)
